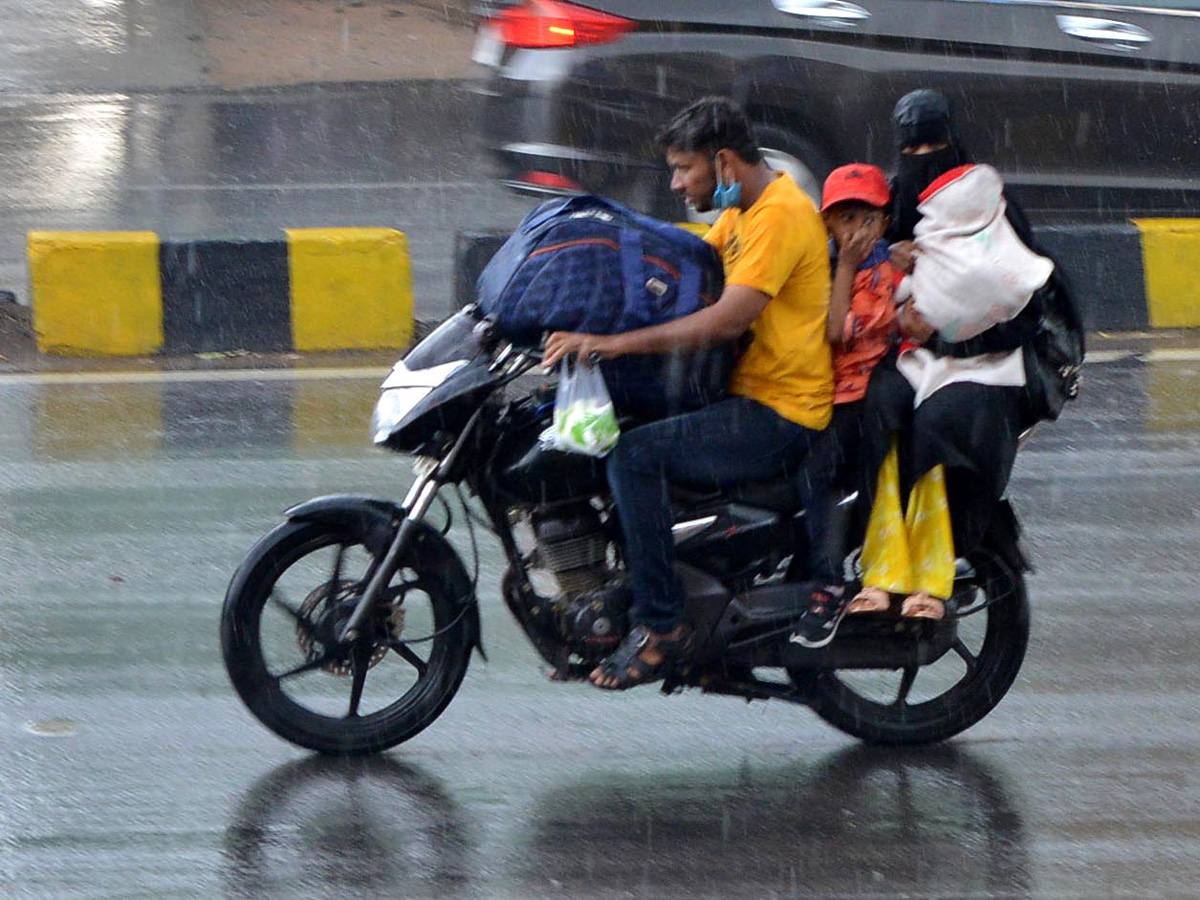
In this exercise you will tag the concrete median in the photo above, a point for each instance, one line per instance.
(1127, 277)
(134, 294)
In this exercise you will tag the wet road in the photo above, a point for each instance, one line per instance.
(130, 770)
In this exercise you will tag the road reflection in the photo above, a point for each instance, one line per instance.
(174, 420)
(862, 822)
(345, 828)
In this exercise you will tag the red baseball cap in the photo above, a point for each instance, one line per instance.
(857, 181)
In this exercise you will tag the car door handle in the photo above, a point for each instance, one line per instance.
(1110, 33)
(828, 12)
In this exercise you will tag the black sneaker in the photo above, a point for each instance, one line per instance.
(819, 623)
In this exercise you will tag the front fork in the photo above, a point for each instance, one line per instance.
(431, 475)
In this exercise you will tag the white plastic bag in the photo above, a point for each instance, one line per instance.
(584, 418)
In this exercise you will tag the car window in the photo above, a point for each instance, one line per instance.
(1155, 33)
(1084, 6)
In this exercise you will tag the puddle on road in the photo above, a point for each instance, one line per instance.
(52, 728)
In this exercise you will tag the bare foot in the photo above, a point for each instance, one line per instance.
(923, 606)
(869, 600)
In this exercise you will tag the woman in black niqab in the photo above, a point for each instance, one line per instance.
(927, 148)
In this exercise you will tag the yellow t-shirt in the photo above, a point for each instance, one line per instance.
(779, 246)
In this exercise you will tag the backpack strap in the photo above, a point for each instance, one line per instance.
(689, 278)
(633, 273)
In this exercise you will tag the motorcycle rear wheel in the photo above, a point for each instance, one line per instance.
(899, 708)
(294, 592)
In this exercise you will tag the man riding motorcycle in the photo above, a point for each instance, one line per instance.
(351, 591)
(774, 247)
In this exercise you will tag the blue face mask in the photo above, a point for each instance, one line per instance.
(726, 196)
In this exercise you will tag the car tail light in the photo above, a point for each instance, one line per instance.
(552, 23)
(549, 180)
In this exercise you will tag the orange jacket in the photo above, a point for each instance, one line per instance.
(868, 332)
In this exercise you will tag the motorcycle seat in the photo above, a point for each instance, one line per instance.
(779, 495)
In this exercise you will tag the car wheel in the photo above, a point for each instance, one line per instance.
(785, 152)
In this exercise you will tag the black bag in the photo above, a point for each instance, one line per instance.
(1054, 356)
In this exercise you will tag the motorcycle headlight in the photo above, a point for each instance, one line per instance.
(401, 391)
(393, 405)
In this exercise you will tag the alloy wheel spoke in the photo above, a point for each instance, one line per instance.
(410, 656)
(906, 683)
(966, 655)
(360, 661)
(315, 663)
(399, 588)
(302, 620)
(335, 580)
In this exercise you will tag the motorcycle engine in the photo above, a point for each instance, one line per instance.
(572, 545)
(594, 623)
(568, 552)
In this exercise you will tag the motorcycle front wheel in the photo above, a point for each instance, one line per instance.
(925, 704)
(288, 604)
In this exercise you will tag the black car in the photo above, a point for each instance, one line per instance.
(1090, 110)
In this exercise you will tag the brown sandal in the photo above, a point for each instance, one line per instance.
(869, 600)
(922, 605)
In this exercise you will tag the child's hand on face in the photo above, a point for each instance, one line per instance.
(856, 247)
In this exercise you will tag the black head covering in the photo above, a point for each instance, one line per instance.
(923, 117)
(920, 117)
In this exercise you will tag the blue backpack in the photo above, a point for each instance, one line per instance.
(588, 264)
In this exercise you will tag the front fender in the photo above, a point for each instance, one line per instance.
(376, 520)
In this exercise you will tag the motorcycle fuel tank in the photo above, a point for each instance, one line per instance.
(532, 473)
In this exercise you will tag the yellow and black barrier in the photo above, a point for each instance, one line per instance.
(1126, 277)
(130, 293)
(1171, 257)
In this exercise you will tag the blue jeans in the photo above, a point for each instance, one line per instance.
(730, 442)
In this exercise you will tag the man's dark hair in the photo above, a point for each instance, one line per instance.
(708, 125)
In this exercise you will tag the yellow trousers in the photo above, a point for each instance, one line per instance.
(908, 553)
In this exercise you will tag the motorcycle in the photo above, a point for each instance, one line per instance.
(350, 626)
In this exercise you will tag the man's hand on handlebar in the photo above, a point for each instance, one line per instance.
(591, 348)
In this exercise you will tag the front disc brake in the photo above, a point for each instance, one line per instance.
(344, 599)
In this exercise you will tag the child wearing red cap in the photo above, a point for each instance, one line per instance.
(861, 329)
(862, 313)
